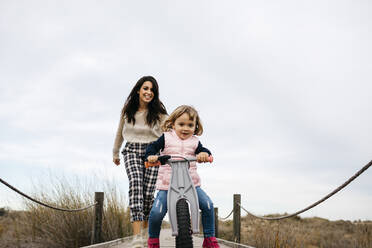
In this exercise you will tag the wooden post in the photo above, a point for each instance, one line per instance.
(236, 218)
(216, 222)
(200, 223)
(97, 221)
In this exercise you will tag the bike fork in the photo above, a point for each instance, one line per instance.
(182, 187)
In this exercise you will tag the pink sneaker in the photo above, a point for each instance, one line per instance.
(153, 243)
(210, 242)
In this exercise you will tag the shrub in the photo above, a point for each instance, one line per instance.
(1, 230)
(298, 232)
(52, 228)
(3, 211)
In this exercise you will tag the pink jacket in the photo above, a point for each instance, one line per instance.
(173, 145)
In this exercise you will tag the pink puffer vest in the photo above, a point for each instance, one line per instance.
(175, 146)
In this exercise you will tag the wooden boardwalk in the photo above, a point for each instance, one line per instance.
(166, 240)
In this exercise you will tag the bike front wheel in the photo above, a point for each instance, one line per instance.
(184, 238)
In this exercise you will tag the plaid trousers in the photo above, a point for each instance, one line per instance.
(141, 181)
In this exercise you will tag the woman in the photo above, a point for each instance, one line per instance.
(140, 123)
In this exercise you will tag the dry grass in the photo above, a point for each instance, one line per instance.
(302, 233)
(40, 227)
(12, 232)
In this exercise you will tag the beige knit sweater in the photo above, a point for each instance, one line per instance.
(139, 133)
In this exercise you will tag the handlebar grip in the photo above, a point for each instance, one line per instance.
(148, 164)
(164, 158)
(161, 160)
(210, 159)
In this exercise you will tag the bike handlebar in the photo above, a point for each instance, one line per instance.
(167, 158)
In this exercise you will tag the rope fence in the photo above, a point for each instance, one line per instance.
(238, 206)
(99, 197)
(98, 210)
(41, 203)
(232, 211)
(315, 203)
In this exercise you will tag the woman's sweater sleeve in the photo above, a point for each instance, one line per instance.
(118, 139)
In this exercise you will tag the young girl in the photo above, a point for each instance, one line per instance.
(179, 139)
(140, 123)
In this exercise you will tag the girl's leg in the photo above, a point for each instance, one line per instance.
(157, 213)
(206, 206)
(134, 168)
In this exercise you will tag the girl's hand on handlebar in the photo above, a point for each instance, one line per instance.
(116, 161)
(202, 157)
(152, 158)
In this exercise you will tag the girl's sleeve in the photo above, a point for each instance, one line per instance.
(201, 148)
(154, 147)
(118, 139)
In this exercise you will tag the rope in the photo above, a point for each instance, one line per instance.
(318, 202)
(43, 204)
(227, 216)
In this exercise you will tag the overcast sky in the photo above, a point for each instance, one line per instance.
(284, 90)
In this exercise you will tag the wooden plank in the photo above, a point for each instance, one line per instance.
(166, 241)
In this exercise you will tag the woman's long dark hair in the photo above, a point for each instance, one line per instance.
(155, 107)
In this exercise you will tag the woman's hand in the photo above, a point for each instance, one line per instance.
(202, 157)
(116, 161)
(152, 158)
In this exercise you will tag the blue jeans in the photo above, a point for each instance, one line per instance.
(159, 209)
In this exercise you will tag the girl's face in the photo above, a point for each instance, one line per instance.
(145, 93)
(184, 127)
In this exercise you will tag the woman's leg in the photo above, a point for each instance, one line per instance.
(149, 181)
(136, 226)
(134, 168)
(157, 213)
(145, 224)
(206, 206)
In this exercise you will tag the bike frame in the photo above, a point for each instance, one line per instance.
(182, 187)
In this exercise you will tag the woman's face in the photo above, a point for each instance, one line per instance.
(145, 93)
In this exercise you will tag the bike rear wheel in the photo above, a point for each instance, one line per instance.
(184, 238)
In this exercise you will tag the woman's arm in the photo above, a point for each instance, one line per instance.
(118, 142)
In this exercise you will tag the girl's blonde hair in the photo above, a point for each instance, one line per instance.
(193, 114)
